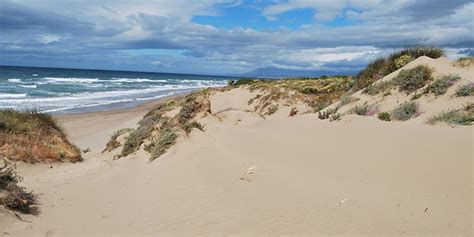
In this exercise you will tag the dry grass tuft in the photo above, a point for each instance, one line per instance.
(32, 136)
(13, 196)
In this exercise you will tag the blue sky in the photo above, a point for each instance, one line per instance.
(226, 36)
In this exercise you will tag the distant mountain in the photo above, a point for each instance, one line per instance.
(270, 72)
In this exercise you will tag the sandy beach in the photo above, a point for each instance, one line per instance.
(248, 175)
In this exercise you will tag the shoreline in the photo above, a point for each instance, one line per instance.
(146, 106)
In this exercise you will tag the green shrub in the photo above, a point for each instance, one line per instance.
(373, 72)
(405, 111)
(384, 116)
(417, 96)
(384, 66)
(309, 90)
(272, 109)
(403, 60)
(464, 62)
(440, 86)
(413, 79)
(160, 144)
(326, 113)
(136, 137)
(378, 87)
(464, 116)
(465, 90)
(113, 143)
(360, 109)
(335, 117)
(244, 81)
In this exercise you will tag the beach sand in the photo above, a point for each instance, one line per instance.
(248, 175)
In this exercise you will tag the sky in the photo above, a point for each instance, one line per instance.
(223, 37)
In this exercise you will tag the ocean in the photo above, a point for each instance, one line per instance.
(61, 91)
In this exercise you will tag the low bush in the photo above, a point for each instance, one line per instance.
(136, 137)
(381, 67)
(272, 109)
(384, 116)
(413, 79)
(464, 116)
(13, 196)
(464, 62)
(335, 117)
(441, 85)
(360, 109)
(113, 143)
(403, 60)
(465, 90)
(378, 87)
(244, 81)
(405, 111)
(159, 145)
(326, 113)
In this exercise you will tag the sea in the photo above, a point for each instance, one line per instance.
(63, 91)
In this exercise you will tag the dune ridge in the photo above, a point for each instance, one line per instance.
(254, 173)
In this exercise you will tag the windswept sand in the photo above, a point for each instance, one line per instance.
(307, 176)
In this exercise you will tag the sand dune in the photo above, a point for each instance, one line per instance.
(308, 176)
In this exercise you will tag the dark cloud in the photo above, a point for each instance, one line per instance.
(429, 9)
(96, 39)
(14, 17)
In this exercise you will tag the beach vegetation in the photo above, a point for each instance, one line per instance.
(361, 110)
(160, 144)
(13, 196)
(244, 81)
(413, 79)
(194, 124)
(158, 130)
(113, 143)
(325, 114)
(378, 87)
(442, 84)
(32, 136)
(405, 111)
(272, 109)
(463, 116)
(384, 116)
(464, 61)
(465, 90)
(335, 117)
(383, 66)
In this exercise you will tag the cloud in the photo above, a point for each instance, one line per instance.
(96, 34)
(48, 39)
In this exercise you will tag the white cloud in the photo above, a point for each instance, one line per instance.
(49, 38)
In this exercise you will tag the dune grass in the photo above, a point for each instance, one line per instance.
(464, 62)
(157, 132)
(384, 116)
(413, 79)
(32, 136)
(442, 84)
(160, 144)
(383, 66)
(463, 116)
(405, 111)
(112, 144)
(465, 90)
